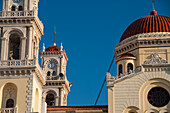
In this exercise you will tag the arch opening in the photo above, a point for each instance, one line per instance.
(9, 96)
(130, 67)
(54, 73)
(50, 99)
(14, 47)
(20, 8)
(10, 103)
(13, 8)
(120, 69)
(48, 73)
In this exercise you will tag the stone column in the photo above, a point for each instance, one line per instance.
(7, 5)
(56, 101)
(3, 48)
(3, 5)
(125, 68)
(23, 46)
(25, 5)
(29, 42)
(36, 53)
(61, 96)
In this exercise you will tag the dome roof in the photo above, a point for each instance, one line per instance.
(53, 48)
(148, 24)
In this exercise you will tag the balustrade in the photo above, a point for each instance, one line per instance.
(17, 13)
(17, 63)
(8, 110)
(54, 78)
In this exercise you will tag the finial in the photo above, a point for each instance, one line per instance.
(54, 35)
(153, 3)
(43, 47)
(153, 12)
(61, 47)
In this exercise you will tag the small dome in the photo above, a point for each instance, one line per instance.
(148, 24)
(53, 48)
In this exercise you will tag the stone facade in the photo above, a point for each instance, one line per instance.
(142, 83)
(20, 33)
(57, 86)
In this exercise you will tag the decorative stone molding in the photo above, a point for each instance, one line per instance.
(50, 53)
(17, 63)
(120, 48)
(155, 59)
(145, 35)
(29, 94)
(110, 80)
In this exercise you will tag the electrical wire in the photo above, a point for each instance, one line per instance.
(104, 80)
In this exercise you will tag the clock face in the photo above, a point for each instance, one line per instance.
(51, 65)
(17, 1)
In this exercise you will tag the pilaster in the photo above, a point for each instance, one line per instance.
(61, 96)
(25, 5)
(56, 100)
(30, 42)
(23, 46)
(3, 48)
(29, 95)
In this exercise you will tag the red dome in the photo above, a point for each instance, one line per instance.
(53, 48)
(148, 24)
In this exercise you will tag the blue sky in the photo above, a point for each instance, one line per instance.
(89, 31)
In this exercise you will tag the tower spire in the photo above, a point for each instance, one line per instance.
(153, 3)
(54, 35)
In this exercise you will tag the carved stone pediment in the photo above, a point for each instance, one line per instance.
(155, 59)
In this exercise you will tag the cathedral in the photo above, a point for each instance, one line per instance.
(142, 83)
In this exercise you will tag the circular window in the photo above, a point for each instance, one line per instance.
(158, 97)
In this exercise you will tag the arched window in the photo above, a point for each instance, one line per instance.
(54, 73)
(50, 99)
(48, 73)
(9, 96)
(61, 75)
(10, 103)
(129, 67)
(14, 47)
(120, 69)
(20, 8)
(13, 8)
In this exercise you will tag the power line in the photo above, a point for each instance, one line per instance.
(104, 80)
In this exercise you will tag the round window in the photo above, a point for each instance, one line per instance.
(158, 97)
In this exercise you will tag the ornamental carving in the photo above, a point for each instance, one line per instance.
(155, 59)
(9, 95)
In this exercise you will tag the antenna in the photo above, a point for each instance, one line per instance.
(153, 3)
(54, 35)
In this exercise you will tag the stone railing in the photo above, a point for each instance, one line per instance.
(15, 14)
(18, 14)
(54, 78)
(110, 79)
(17, 63)
(8, 110)
(49, 52)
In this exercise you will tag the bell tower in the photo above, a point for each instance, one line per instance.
(21, 77)
(57, 87)
(20, 5)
